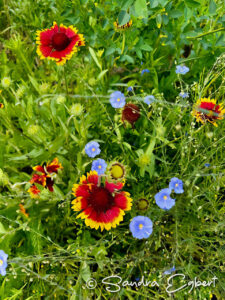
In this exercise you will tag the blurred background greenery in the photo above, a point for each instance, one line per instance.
(51, 253)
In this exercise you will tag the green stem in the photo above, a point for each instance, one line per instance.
(64, 74)
(201, 35)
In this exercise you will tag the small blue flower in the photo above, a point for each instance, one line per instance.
(163, 199)
(184, 95)
(3, 262)
(207, 165)
(130, 89)
(182, 70)
(92, 149)
(99, 165)
(167, 272)
(149, 99)
(141, 227)
(141, 63)
(137, 278)
(117, 99)
(176, 185)
(145, 71)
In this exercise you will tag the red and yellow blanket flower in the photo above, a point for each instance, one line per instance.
(58, 43)
(44, 177)
(206, 109)
(102, 206)
(122, 27)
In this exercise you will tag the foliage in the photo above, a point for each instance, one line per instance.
(53, 254)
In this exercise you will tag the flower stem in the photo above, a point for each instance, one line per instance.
(66, 84)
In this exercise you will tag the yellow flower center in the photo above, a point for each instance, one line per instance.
(176, 185)
(117, 171)
(1, 262)
(118, 99)
(93, 149)
(99, 167)
(140, 226)
(164, 197)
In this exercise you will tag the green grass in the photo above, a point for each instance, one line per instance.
(52, 254)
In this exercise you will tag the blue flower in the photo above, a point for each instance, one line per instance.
(176, 185)
(184, 95)
(145, 71)
(182, 70)
(3, 262)
(149, 99)
(130, 89)
(163, 199)
(207, 165)
(117, 99)
(167, 272)
(99, 165)
(92, 149)
(141, 227)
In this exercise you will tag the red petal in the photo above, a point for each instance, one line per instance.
(54, 166)
(40, 179)
(39, 169)
(120, 200)
(92, 178)
(49, 184)
(88, 211)
(82, 190)
(112, 214)
(84, 203)
(111, 187)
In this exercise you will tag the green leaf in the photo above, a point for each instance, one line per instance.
(92, 52)
(34, 83)
(102, 74)
(110, 51)
(212, 7)
(127, 4)
(192, 3)
(123, 17)
(128, 58)
(2, 229)
(150, 147)
(175, 13)
(141, 8)
(85, 272)
(146, 47)
(33, 154)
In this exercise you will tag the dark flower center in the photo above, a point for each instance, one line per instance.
(60, 41)
(101, 199)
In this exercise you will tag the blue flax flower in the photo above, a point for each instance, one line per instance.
(184, 95)
(92, 149)
(3, 262)
(99, 165)
(145, 71)
(117, 99)
(182, 70)
(163, 199)
(207, 165)
(167, 272)
(149, 99)
(176, 185)
(130, 89)
(141, 227)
